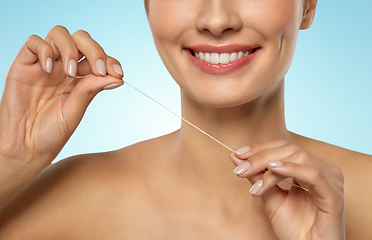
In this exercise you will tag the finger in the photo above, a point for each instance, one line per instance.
(247, 151)
(269, 180)
(74, 106)
(310, 177)
(271, 198)
(113, 68)
(92, 51)
(304, 157)
(258, 161)
(36, 49)
(64, 46)
(288, 153)
(237, 161)
(253, 176)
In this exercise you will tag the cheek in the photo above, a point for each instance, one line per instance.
(168, 19)
(274, 17)
(171, 22)
(278, 23)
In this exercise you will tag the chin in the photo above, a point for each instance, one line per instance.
(222, 99)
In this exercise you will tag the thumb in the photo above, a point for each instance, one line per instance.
(75, 105)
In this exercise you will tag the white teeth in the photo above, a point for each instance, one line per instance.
(222, 58)
(215, 58)
(233, 57)
(207, 57)
(240, 55)
(201, 56)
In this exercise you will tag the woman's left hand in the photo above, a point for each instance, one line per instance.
(316, 212)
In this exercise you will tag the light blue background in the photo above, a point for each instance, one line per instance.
(327, 89)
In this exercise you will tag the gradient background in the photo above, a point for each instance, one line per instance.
(327, 89)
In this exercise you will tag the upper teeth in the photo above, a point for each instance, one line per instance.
(221, 58)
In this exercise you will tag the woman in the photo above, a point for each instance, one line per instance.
(178, 186)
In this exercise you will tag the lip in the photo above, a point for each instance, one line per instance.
(220, 69)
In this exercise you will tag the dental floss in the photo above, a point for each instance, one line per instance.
(60, 100)
(183, 119)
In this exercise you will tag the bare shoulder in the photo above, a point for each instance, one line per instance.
(357, 168)
(71, 195)
(351, 163)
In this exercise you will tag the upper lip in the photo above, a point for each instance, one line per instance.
(222, 48)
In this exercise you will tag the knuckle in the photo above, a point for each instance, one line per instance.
(301, 155)
(32, 38)
(47, 49)
(81, 33)
(59, 28)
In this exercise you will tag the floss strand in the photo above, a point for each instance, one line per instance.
(183, 119)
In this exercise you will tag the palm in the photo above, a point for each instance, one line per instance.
(35, 118)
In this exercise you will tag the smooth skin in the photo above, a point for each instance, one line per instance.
(182, 185)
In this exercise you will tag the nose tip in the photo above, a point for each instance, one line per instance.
(218, 18)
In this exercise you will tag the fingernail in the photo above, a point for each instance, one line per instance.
(112, 86)
(117, 68)
(256, 187)
(72, 68)
(242, 150)
(101, 67)
(242, 168)
(49, 65)
(274, 163)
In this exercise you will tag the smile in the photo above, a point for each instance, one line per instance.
(222, 58)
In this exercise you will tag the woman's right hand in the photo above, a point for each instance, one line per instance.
(32, 129)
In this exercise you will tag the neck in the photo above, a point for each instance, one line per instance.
(256, 121)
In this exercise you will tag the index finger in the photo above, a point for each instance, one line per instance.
(36, 49)
(243, 153)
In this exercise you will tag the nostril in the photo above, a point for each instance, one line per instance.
(218, 20)
(227, 30)
(219, 32)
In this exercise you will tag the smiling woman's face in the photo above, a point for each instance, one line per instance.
(228, 52)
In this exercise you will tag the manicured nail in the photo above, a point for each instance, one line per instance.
(242, 150)
(49, 65)
(72, 68)
(117, 68)
(242, 168)
(101, 67)
(112, 86)
(256, 187)
(274, 163)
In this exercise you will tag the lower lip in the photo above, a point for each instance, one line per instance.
(220, 69)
